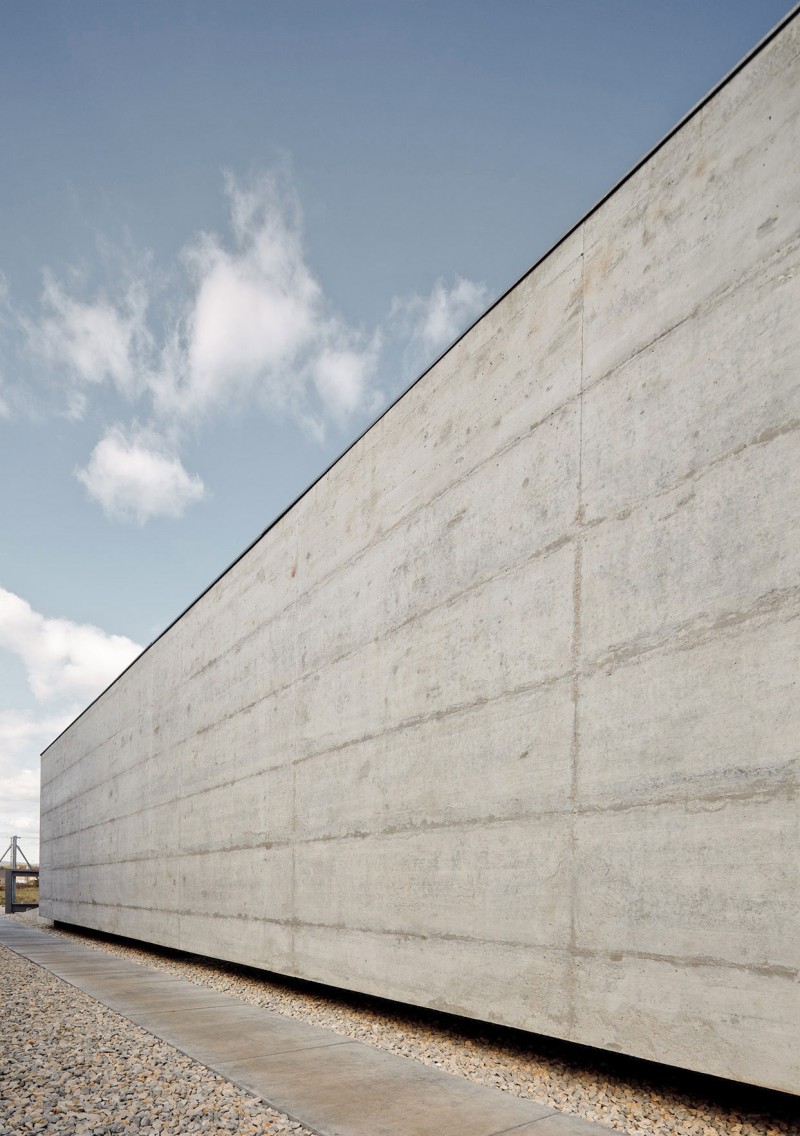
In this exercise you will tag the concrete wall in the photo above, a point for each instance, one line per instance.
(502, 717)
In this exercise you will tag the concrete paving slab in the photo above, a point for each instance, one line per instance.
(98, 962)
(32, 934)
(33, 946)
(354, 1090)
(131, 995)
(69, 971)
(37, 948)
(36, 945)
(65, 959)
(233, 1032)
(48, 958)
(88, 958)
(327, 1082)
(560, 1124)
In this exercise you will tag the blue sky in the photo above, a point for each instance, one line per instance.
(230, 233)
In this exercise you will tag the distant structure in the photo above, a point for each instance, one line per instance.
(12, 874)
(14, 851)
(502, 715)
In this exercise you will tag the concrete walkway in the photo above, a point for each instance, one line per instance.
(326, 1082)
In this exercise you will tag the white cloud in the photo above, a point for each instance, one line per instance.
(134, 479)
(61, 658)
(67, 664)
(91, 342)
(22, 734)
(430, 323)
(258, 326)
(19, 814)
(240, 324)
(342, 379)
(19, 788)
(258, 307)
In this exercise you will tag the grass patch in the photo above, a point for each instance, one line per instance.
(27, 891)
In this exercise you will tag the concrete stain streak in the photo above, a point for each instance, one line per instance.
(784, 785)
(781, 604)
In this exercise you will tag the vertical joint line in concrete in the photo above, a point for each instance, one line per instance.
(183, 794)
(577, 579)
(296, 735)
(570, 993)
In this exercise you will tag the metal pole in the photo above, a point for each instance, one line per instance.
(14, 848)
(22, 854)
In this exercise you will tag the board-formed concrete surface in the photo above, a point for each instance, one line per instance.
(337, 1086)
(502, 716)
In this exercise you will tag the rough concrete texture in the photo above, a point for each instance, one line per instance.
(501, 717)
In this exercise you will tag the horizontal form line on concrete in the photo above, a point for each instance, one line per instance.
(764, 785)
(773, 606)
(764, 969)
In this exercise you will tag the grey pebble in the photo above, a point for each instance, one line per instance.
(112, 1078)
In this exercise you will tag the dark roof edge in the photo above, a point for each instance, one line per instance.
(759, 47)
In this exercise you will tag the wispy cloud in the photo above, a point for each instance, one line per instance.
(343, 377)
(135, 477)
(91, 342)
(430, 323)
(244, 324)
(61, 658)
(257, 325)
(257, 307)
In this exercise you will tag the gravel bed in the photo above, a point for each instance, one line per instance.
(634, 1097)
(69, 1065)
